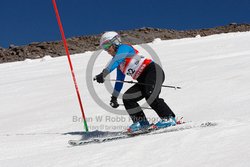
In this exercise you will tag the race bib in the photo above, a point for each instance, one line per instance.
(134, 66)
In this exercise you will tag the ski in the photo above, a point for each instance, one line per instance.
(94, 140)
(151, 131)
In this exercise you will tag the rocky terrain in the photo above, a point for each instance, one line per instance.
(91, 43)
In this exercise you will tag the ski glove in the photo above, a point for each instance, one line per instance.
(113, 102)
(99, 78)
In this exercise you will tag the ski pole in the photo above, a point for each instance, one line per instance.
(141, 107)
(132, 82)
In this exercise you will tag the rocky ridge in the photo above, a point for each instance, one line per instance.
(90, 43)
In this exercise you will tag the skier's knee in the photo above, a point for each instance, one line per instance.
(156, 103)
(125, 99)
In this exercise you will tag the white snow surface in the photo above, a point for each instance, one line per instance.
(38, 108)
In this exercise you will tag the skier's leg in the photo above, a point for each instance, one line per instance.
(154, 79)
(162, 109)
(130, 99)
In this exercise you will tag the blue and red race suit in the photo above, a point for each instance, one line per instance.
(127, 62)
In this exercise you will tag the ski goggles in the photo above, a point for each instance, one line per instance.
(106, 46)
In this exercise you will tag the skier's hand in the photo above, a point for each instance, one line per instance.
(99, 78)
(113, 102)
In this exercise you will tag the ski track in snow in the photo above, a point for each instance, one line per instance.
(38, 104)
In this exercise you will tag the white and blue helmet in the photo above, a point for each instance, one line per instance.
(110, 38)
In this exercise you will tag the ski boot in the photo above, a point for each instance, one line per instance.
(166, 123)
(138, 126)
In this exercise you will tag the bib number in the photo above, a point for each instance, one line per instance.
(130, 72)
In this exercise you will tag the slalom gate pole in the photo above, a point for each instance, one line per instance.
(132, 82)
(70, 63)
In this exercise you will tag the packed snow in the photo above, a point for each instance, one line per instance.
(40, 112)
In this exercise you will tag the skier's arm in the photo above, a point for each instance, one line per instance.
(115, 62)
(123, 52)
(118, 85)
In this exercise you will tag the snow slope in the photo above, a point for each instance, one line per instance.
(39, 109)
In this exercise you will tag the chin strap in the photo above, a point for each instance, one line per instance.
(116, 47)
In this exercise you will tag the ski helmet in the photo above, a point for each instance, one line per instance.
(110, 38)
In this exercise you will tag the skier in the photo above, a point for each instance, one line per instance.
(149, 75)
